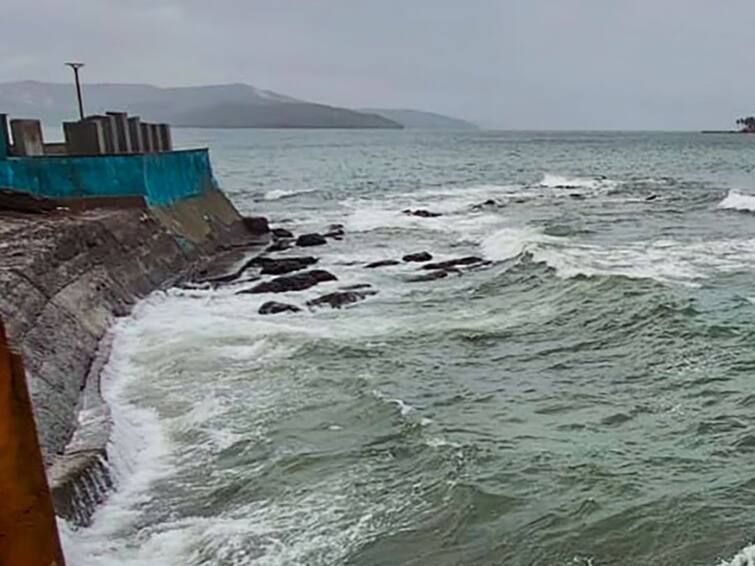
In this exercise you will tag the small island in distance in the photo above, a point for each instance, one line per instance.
(747, 126)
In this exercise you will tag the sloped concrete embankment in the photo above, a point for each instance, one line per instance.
(64, 278)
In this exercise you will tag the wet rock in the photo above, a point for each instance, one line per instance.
(271, 307)
(418, 257)
(382, 263)
(285, 265)
(487, 204)
(451, 263)
(308, 240)
(432, 276)
(340, 299)
(422, 213)
(296, 282)
(256, 225)
(279, 246)
(650, 198)
(282, 233)
(578, 196)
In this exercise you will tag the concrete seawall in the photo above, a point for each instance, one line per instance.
(64, 278)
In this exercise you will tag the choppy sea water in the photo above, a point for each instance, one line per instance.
(586, 399)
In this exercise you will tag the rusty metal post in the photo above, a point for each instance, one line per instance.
(28, 531)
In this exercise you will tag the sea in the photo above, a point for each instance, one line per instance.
(583, 397)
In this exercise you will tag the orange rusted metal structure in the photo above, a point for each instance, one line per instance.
(28, 531)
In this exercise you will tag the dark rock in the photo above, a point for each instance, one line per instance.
(286, 265)
(382, 263)
(296, 282)
(282, 233)
(418, 257)
(279, 246)
(578, 196)
(469, 260)
(256, 224)
(308, 240)
(432, 276)
(356, 287)
(340, 299)
(651, 198)
(422, 213)
(488, 203)
(271, 307)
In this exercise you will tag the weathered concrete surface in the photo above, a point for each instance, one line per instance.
(64, 277)
(28, 533)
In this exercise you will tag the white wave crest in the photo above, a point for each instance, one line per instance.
(744, 558)
(277, 194)
(508, 243)
(738, 201)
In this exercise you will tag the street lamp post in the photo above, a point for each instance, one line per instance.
(76, 67)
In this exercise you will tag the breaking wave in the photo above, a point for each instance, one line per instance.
(738, 201)
(278, 194)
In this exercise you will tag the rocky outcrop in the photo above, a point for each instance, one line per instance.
(309, 240)
(282, 233)
(296, 282)
(421, 213)
(382, 263)
(340, 299)
(451, 263)
(256, 225)
(271, 307)
(283, 266)
(418, 257)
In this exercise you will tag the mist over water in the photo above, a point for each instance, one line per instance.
(586, 399)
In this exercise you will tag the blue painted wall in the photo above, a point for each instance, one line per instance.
(162, 178)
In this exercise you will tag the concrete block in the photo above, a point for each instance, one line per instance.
(27, 137)
(4, 136)
(84, 138)
(166, 137)
(120, 120)
(157, 140)
(109, 132)
(147, 138)
(135, 134)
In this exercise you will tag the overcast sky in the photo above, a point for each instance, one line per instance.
(554, 64)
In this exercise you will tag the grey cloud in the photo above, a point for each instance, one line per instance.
(677, 64)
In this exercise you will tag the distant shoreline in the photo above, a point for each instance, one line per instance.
(726, 132)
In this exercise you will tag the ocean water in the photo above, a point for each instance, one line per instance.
(588, 398)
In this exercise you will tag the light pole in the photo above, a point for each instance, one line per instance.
(76, 67)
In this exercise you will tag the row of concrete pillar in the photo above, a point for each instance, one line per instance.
(116, 133)
(110, 134)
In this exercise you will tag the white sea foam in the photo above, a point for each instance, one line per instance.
(738, 201)
(745, 558)
(507, 243)
(662, 260)
(138, 453)
(277, 194)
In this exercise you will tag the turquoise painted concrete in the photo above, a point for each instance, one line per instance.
(162, 178)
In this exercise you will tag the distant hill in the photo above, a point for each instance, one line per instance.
(222, 106)
(420, 119)
(279, 115)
